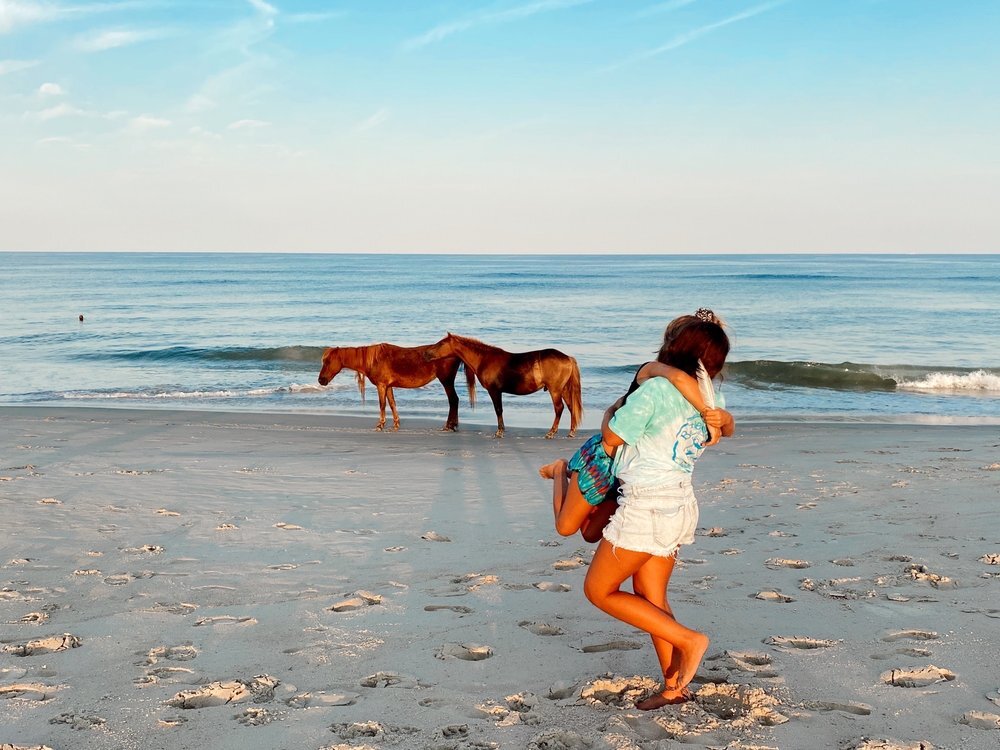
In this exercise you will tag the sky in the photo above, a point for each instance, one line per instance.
(500, 126)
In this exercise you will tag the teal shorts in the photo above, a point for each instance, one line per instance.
(592, 465)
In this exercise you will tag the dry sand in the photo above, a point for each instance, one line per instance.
(208, 580)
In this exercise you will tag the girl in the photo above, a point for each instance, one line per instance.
(658, 436)
(583, 496)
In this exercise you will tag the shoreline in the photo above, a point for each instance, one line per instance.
(240, 579)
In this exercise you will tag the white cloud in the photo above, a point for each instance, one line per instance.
(12, 66)
(689, 36)
(54, 140)
(143, 123)
(248, 125)
(14, 13)
(374, 121)
(314, 17)
(266, 8)
(114, 38)
(487, 19)
(51, 89)
(60, 110)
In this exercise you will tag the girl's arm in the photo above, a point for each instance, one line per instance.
(688, 388)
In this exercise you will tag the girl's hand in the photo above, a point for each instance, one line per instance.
(713, 418)
(714, 435)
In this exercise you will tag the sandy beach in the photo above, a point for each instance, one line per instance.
(194, 579)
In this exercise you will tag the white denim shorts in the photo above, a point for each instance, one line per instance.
(656, 520)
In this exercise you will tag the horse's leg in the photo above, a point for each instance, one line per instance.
(497, 396)
(381, 407)
(448, 381)
(557, 407)
(392, 405)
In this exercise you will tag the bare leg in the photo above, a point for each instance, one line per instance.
(602, 587)
(650, 582)
(569, 509)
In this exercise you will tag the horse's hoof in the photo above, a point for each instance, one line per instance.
(450, 428)
(549, 435)
(379, 427)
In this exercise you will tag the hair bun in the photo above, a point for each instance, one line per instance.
(706, 315)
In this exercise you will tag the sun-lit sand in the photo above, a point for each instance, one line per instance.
(192, 579)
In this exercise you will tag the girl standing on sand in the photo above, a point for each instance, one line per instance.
(583, 494)
(657, 436)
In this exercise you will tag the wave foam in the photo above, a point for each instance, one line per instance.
(979, 381)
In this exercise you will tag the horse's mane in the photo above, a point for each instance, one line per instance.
(477, 344)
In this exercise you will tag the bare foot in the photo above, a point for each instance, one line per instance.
(668, 697)
(691, 658)
(552, 470)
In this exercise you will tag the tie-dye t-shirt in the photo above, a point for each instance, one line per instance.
(664, 436)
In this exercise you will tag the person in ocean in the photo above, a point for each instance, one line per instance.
(584, 495)
(657, 436)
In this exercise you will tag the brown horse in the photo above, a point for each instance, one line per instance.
(519, 373)
(389, 366)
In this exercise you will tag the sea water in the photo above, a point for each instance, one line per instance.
(815, 337)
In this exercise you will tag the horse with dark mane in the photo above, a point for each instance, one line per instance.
(519, 373)
(389, 366)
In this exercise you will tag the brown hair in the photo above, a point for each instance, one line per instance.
(674, 327)
(693, 341)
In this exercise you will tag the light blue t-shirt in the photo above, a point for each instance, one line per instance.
(664, 436)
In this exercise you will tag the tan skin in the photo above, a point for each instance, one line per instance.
(678, 649)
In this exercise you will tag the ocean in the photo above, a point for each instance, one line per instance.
(865, 338)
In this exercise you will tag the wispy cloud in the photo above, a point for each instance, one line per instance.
(248, 125)
(689, 36)
(144, 123)
(60, 110)
(265, 8)
(516, 13)
(14, 13)
(369, 123)
(667, 7)
(114, 38)
(12, 66)
(51, 89)
(315, 17)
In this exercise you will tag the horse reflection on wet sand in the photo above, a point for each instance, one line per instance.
(389, 366)
(518, 373)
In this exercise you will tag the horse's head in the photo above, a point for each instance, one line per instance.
(331, 365)
(442, 348)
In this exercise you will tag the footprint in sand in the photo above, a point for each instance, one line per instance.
(308, 700)
(597, 648)
(571, 564)
(551, 586)
(620, 692)
(740, 702)
(256, 717)
(287, 526)
(980, 720)
(49, 645)
(463, 651)
(540, 628)
(175, 608)
(917, 676)
(776, 562)
(226, 527)
(29, 691)
(920, 653)
(881, 744)
(858, 709)
(452, 607)
(225, 620)
(183, 652)
(433, 536)
(390, 679)
(910, 635)
(79, 721)
(146, 549)
(33, 618)
(168, 675)
(991, 558)
(260, 689)
(361, 600)
(773, 596)
(799, 643)
(756, 663)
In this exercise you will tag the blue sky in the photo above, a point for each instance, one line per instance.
(500, 126)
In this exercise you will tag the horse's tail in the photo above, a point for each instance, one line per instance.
(470, 380)
(360, 376)
(575, 400)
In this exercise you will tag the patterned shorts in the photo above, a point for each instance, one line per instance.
(593, 470)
